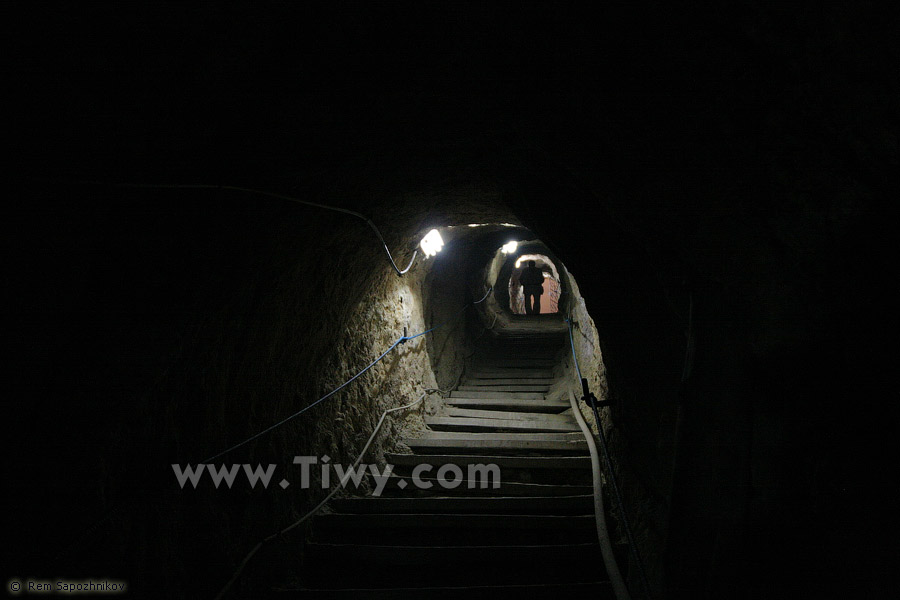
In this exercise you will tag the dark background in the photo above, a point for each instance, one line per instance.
(745, 154)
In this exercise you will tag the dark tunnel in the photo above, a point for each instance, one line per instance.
(705, 192)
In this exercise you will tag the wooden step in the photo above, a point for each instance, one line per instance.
(492, 381)
(454, 521)
(377, 565)
(484, 505)
(481, 486)
(595, 590)
(506, 443)
(512, 404)
(560, 469)
(511, 436)
(454, 529)
(497, 394)
(539, 388)
(380, 566)
(516, 363)
(488, 425)
(487, 373)
(475, 413)
(512, 462)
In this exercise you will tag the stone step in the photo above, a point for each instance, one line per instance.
(483, 505)
(506, 443)
(511, 425)
(512, 404)
(497, 394)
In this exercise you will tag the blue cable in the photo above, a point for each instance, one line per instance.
(483, 298)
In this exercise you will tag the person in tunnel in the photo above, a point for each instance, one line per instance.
(532, 280)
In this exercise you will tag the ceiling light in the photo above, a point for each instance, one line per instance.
(509, 247)
(432, 243)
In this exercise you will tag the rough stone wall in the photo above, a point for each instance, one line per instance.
(254, 314)
(645, 511)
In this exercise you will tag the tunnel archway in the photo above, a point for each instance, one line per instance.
(551, 287)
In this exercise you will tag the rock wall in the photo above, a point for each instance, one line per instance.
(182, 324)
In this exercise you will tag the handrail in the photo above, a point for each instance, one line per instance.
(609, 559)
(328, 497)
(402, 340)
(362, 453)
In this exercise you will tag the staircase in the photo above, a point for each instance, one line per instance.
(532, 535)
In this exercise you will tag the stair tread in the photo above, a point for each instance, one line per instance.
(495, 565)
(542, 388)
(484, 486)
(455, 520)
(475, 413)
(506, 446)
(482, 373)
(415, 592)
(497, 394)
(515, 462)
(506, 381)
(382, 551)
(522, 405)
(464, 504)
(455, 423)
(518, 437)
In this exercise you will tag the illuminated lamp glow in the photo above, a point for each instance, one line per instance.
(432, 243)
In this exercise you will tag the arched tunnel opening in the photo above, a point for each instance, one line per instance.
(551, 286)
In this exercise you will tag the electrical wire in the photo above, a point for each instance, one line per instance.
(233, 188)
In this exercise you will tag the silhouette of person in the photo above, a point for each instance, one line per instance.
(532, 280)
